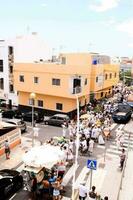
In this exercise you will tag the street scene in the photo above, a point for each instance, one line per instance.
(66, 100)
(101, 141)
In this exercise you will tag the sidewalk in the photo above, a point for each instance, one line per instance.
(16, 154)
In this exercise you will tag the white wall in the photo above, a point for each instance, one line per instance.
(30, 48)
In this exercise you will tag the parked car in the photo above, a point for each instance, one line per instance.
(18, 123)
(38, 116)
(11, 114)
(10, 182)
(122, 114)
(57, 120)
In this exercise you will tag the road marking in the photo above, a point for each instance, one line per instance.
(113, 126)
(13, 196)
(66, 198)
(81, 177)
(100, 146)
(69, 175)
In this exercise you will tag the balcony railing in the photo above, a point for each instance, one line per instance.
(77, 90)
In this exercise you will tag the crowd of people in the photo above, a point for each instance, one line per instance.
(94, 127)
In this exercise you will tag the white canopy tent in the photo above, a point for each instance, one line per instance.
(43, 156)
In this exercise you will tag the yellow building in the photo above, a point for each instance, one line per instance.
(103, 79)
(56, 83)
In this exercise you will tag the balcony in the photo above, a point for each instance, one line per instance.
(77, 90)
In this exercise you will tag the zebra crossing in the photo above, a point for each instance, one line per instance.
(113, 149)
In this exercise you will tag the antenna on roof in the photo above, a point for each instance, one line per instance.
(28, 29)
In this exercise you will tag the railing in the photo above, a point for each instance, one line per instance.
(77, 90)
(123, 170)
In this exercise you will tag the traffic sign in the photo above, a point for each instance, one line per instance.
(92, 164)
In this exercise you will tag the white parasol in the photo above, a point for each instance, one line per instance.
(43, 156)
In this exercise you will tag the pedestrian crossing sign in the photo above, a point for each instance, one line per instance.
(92, 164)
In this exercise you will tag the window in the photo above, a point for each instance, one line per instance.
(1, 65)
(63, 60)
(11, 69)
(40, 103)
(1, 83)
(106, 76)
(10, 50)
(11, 88)
(31, 102)
(115, 75)
(36, 80)
(96, 79)
(101, 94)
(59, 106)
(55, 81)
(86, 81)
(110, 75)
(21, 78)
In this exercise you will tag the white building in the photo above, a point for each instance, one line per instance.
(23, 49)
(6, 73)
(31, 48)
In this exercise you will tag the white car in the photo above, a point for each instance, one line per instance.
(18, 123)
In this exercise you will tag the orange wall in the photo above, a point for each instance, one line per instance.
(77, 59)
(49, 102)
(46, 72)
(102, 70)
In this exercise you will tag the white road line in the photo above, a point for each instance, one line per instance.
(113, 125)
(81, 177)
(66, 198)
(69, 175)
(113, 151)
(13, 196)
(100, 146)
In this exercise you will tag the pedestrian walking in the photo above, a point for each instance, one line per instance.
(64, 129)
(7, 149)
(82, 191)
(93, 194)
(122, 159)
(91, 146)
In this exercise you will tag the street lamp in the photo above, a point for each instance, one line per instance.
(32, 97)
(77, 91)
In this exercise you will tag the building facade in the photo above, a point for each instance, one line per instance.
(57, 84)
(28, 48)
(7, 92)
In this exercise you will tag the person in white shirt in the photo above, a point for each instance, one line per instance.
(82, 191)
(91, 146)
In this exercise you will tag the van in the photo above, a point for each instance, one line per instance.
(57, 119)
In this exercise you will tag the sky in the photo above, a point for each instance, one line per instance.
(102, 26)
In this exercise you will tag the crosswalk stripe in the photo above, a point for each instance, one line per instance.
(100, 146)
(66, 198)
(69, 175)
(113, 126)
(81, 177)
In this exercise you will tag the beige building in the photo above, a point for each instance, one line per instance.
(56, 83)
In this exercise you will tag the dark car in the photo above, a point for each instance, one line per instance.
(122, 114)
(38, 116)
(12, 114)
(10, 182)
(57, 120)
